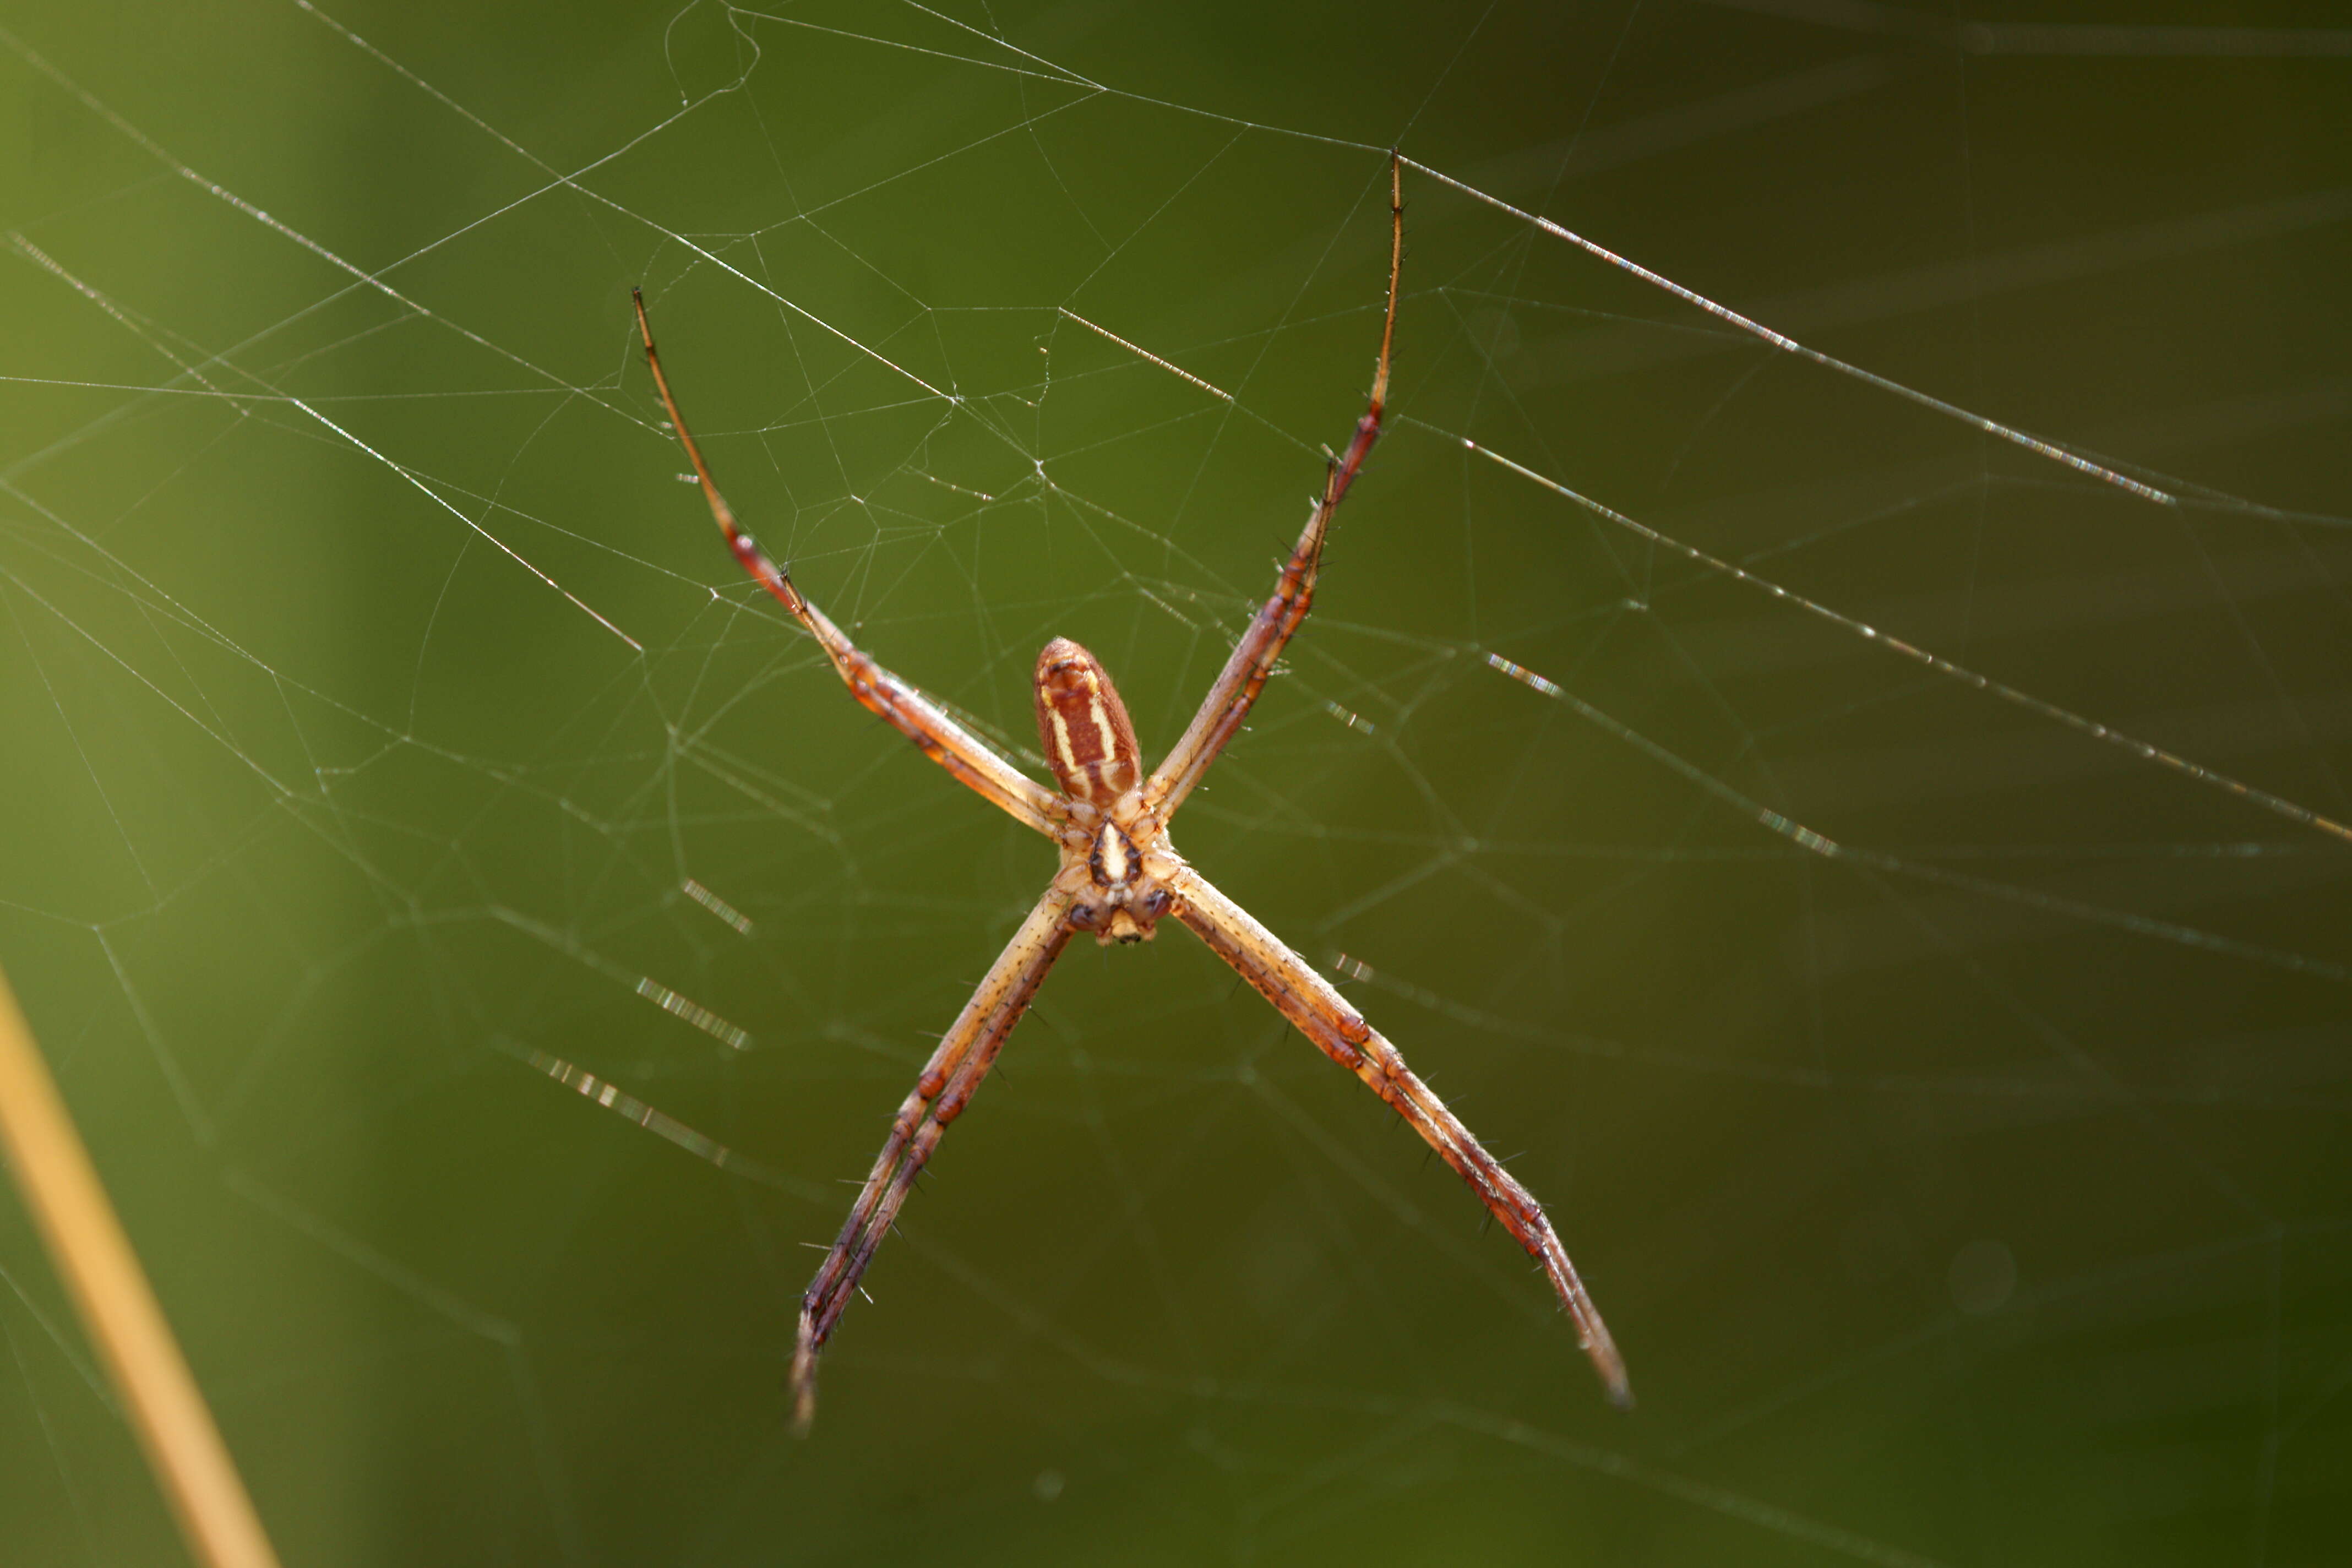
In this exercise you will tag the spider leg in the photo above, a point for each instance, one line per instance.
(1237, 685)
(1324, 1017)
(954, 1071)
(893, 699)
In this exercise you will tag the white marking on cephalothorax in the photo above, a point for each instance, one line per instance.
(1113, 849)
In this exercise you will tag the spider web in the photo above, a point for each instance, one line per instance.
(1858, 815)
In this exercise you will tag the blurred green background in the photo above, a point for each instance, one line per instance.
(370, 692)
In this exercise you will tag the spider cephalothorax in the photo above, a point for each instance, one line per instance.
(1116, 859)
(1119, 877)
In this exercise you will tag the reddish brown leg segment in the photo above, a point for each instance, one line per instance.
(1237, 685)
(954, 1071)
(1324, 1017)
(890, 697)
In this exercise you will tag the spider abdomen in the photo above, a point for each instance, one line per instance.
(1088, 740)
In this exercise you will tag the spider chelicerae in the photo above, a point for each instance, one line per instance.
(1119, 877)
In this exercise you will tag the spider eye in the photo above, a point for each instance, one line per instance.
(1085, 917)
(1156, 902)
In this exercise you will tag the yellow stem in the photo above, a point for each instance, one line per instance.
(118, 1308)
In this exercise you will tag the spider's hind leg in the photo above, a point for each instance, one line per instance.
(1238, 684)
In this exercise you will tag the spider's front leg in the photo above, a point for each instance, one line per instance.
(890, 697)
(965, 1054)
(1324, 1017)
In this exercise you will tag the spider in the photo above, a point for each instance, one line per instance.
(1120, 876)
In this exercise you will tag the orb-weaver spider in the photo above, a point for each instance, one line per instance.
(1119, 877)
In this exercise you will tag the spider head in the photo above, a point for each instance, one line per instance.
(1126, 914)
